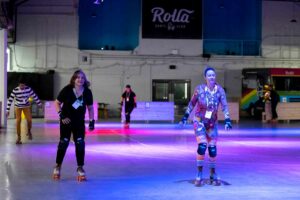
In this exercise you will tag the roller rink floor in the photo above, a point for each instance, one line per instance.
(153, 161)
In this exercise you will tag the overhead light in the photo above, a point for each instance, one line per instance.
(98, 2)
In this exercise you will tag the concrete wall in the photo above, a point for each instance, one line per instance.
(281, 37)
(3, 76)
(47, 39)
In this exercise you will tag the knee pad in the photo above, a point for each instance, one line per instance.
(80, 144)
(63, 144)
(201, 148)
(212, 150)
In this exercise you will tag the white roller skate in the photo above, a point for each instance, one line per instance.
(56, 173)
(199, 182)
(81, 174)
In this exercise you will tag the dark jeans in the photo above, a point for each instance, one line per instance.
(78, 130)
(128, 110)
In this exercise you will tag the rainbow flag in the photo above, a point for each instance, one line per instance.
(249, 96)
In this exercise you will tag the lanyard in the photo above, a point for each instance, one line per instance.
(127, 96)
(78, 100)
(209, 96)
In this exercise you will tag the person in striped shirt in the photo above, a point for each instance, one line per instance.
(20, 95)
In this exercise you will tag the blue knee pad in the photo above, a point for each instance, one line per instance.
(201, 148)
(63, 144)
(212, 150)
(80, 144)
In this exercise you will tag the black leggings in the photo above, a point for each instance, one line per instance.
(274, 112)
(78, 130)
(128, 110)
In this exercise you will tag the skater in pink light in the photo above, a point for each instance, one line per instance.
(205, 101)
(128, 99)
(71, 105)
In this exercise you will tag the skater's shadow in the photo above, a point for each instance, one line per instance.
(207, 182)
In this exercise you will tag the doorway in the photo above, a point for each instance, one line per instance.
(178, 91)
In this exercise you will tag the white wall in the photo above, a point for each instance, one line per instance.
(280, 37)
(48, 40)
(165, 47)
(3, 76)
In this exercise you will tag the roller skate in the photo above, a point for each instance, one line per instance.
(199, 181)
(126, 125)
(214, 180)
(18, 141)
(29, 135)
(56, 173)
(81, 174)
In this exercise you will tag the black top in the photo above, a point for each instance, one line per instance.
(129, 98)
(68, 98)
(275, 98)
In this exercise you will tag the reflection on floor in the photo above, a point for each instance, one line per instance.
(153, 161)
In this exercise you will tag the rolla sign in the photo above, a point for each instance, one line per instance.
(175, 19)
(181, 16)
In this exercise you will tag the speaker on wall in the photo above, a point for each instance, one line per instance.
(172, 67)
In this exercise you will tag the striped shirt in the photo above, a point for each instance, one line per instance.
(21, 97)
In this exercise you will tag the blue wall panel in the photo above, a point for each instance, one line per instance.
(114, 24)
(232, 27)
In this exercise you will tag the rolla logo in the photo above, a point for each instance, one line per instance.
(179, 16)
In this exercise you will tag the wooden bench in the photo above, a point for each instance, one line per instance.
(288, 111)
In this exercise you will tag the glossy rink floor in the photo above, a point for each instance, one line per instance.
(153, 161)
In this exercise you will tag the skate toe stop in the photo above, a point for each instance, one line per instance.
(56, 177)
(199, 183)
(81, 178)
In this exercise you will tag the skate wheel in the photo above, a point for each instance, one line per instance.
(216, 183)
(18, 142)
(56, 177)
(199, 183)
(126, 125)
(81, 178)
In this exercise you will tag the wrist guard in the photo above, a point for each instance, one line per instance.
(228, 123)
(185, 118)
(61, 116)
